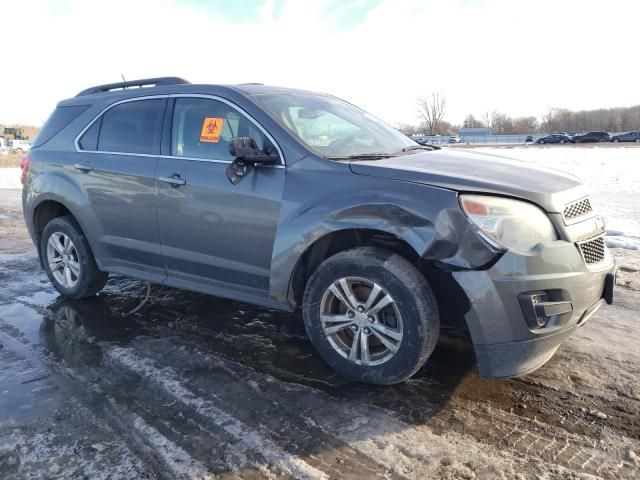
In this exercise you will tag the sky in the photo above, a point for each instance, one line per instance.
(521, 57)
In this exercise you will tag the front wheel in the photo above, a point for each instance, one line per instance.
(68, 260)
(541, 142)
(371, 315)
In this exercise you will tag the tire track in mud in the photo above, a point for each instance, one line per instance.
(558, 440)
(393, 432)
(374, 432)
(136, 427)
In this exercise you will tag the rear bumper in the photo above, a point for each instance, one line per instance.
(508, 340)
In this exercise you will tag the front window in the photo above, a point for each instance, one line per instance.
(333, 128)
(204, 128)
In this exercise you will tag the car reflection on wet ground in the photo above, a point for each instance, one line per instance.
(192, 386)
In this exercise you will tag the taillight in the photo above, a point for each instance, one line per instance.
(24, 165)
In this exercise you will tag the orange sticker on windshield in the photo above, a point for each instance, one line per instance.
(211, 128)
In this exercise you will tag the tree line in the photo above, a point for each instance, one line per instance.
(432, 110)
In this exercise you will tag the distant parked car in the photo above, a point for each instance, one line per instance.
(529, 139)
(555, 138)
(20, 146)
(455, 139)
(627, 137)
(592, 137)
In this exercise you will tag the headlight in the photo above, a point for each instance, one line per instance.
(510, 223)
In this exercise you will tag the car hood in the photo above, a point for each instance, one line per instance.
(467, 171)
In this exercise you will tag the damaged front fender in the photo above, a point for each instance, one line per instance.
(426, 218)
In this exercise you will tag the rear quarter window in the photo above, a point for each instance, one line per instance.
(60, 118)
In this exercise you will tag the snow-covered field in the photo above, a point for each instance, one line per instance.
(10, 178)
(612, 174)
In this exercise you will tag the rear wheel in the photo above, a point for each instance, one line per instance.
(541, 142)
(637, 140)
(616, 140)
(371, 315)
(562, 142)
(68, 260)
(603, 140)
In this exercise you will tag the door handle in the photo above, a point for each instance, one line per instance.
(84, 167)
(174, 180)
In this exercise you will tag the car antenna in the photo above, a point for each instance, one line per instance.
(123, 79)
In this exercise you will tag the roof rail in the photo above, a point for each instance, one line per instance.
(145, 82)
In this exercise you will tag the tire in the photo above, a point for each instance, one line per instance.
(562, 142)
(541, 142)
(615, 140)
(77, 275)
(578, 140)
(411, 319)
(637, 140)
(602, 140)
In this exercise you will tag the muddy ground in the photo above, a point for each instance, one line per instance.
(193, 386)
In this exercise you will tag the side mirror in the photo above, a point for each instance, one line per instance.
(245, 149)
(247, 155)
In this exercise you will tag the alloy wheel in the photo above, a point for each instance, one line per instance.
(361, 321)
(63, 260)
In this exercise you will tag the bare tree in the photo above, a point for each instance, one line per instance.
(431, 109)
(471, 122)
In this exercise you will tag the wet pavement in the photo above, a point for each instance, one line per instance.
(193, 386)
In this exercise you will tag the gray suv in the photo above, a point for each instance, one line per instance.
(297, 200)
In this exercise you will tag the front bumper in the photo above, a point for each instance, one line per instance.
(506, 342)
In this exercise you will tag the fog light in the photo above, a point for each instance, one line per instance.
(538, 309)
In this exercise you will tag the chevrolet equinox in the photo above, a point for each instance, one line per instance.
(291, 199)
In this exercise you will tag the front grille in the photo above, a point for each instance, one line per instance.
(592, 250)
(577, 209)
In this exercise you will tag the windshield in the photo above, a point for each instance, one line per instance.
(333, 128)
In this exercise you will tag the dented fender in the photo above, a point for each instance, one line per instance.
(427, 218)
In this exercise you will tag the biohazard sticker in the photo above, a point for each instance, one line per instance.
(211, 128)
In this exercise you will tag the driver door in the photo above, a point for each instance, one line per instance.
(216, 236)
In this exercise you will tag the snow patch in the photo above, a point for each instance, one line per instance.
(181, 464)
(10, 178)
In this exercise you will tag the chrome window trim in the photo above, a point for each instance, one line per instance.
(179, 95)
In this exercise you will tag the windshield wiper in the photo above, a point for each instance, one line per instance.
(362, 156)
(420, 147)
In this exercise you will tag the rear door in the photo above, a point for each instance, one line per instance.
(216, 236)
(116, 166)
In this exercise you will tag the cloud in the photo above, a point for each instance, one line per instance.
(519, 57)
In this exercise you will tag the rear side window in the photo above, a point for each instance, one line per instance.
(60, 118)
(131, 127)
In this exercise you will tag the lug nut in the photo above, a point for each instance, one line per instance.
(360, 309)
(350, 314)
(366, 330)
(371, 319)
(354, 328)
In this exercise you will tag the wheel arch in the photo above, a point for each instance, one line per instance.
(452, 301)
(46, 210)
